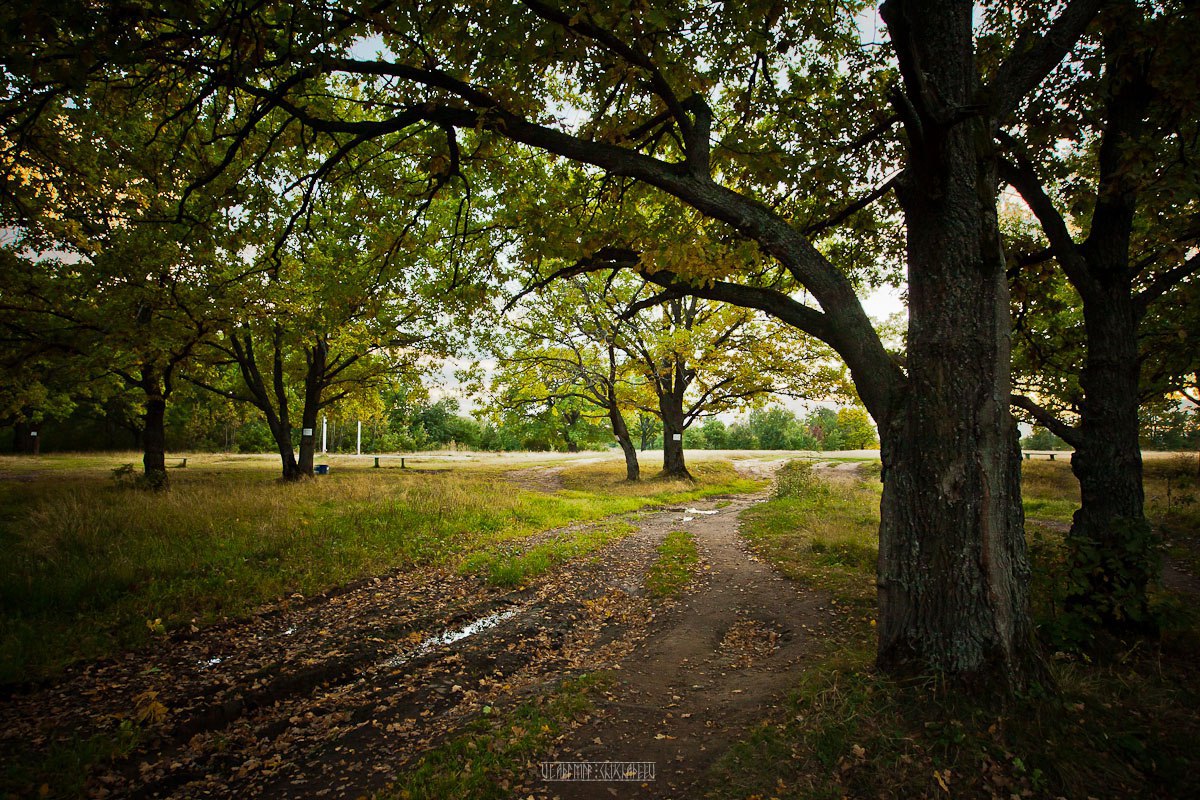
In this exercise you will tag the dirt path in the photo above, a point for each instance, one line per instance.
(709, 669)
(537, 479)
(332, 696)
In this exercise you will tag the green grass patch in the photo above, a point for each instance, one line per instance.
(495, 756)
(1049, 490)
(824, 533)
(90, 565)
(509, 566)
(675, 565)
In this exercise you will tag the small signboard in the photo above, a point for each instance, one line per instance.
(306, 432)
(677, 437)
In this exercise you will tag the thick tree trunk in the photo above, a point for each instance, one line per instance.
(671, 408)
(953, 571)
(1110, 543)
(633, 471)
(154, 434)
(314, 386)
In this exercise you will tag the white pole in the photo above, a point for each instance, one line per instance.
(324, 434)
(360, 437)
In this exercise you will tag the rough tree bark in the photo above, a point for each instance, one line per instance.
(1110, 543)
(670, 407)
(953, 571)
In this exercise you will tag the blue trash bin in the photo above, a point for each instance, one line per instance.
(321, 469)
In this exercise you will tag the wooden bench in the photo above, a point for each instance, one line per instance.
(379, 457)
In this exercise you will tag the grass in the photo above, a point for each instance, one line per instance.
(1048, 490)
(62, 770)
(494, 756)
(823, 533)
(506, 566)
(90, 565)
(1122, 724)
(675, 565)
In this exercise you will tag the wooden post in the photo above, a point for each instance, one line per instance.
(401, 462)
(376, 462)
(1052, 456)
(183, 464)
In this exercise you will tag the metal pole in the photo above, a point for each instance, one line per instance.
(325, 434)
(359, 446)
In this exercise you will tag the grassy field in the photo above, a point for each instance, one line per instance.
(93, 567)
(1123, 724)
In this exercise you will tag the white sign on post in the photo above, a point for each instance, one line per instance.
(33, 433)
(677, 437)
(306, 432)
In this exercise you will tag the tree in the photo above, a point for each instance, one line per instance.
(562, 346)
(109, 276)
(953, 598)
(701, 358)
(716, 435)
(1116, 213)
(857, 431)
(1043, 439)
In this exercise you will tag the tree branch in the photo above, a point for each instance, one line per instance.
(1165, 282)
(1033, 58)
(1047, 420)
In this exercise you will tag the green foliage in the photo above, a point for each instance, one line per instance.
(1043, 439)
(1167, 426)
(777, 428)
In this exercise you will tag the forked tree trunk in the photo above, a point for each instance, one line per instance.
(953, 570)
(289, 466)
(1110, 544)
